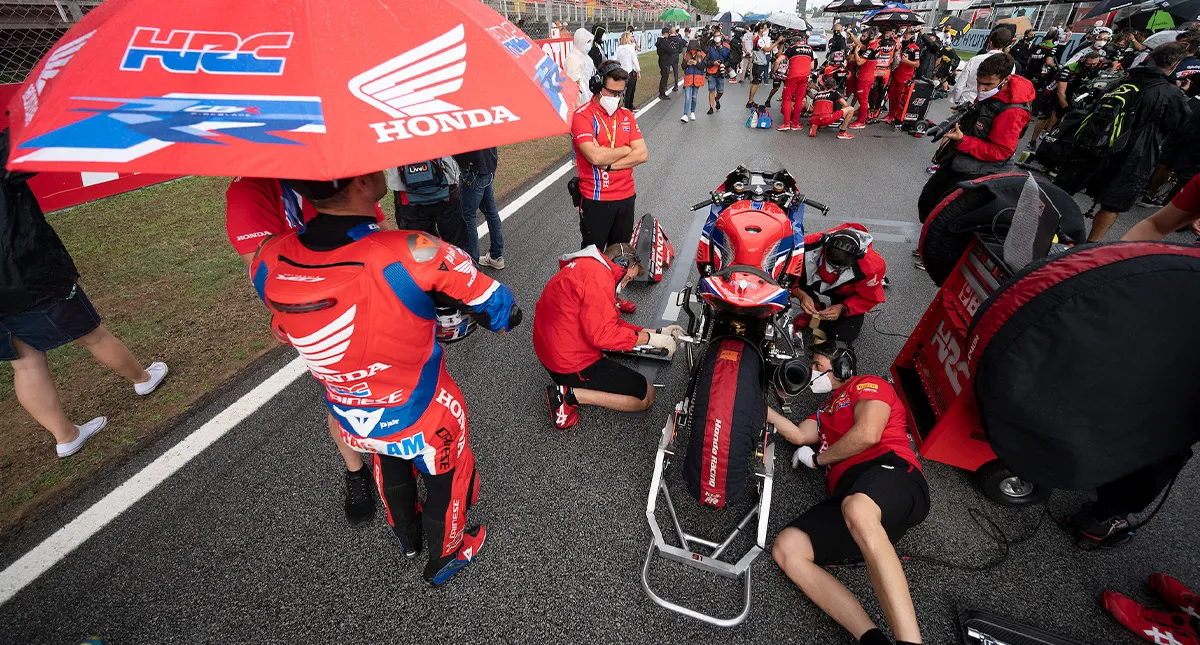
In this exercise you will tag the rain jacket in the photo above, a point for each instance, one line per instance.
(1000, 143)
(578, 65)
(576, 317)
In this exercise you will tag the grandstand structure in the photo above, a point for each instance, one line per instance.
(29, 28)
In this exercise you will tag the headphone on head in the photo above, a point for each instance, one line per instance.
(596, 82)
(627, 260)
(842, 359)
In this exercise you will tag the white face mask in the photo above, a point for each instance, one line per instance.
(717, 40)
(1100, 44)
(610, 103)
(820, 383)
(983, 96)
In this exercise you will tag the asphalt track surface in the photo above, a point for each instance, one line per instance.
(248, 542)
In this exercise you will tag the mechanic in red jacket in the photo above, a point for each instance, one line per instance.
(842, 281)
(576, 320)
(983, 142)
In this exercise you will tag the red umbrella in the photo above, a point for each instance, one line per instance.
(306, 89)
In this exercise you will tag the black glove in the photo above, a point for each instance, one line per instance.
(514, 317)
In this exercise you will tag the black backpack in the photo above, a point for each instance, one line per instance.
(1107, 128)
(425, 182)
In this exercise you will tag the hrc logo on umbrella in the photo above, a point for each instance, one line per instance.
(183, 51)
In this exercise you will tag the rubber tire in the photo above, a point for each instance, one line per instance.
(988, 479)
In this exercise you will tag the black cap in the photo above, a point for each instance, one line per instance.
(315, 190)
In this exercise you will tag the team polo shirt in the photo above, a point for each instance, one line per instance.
(836, 417)
(1188, 199)
(592, 123)
(257, 208)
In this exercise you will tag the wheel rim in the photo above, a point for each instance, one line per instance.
(1016, 487)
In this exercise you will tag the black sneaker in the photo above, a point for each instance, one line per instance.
(1087, 526)
(767, 105)
(710, 110)
(664, 97)
(360, 496)
(411, 545)
(718, 104)
(749, 105)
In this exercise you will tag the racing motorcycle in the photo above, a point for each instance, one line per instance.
(740, 349)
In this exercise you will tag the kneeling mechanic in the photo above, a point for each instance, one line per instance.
(877, 492)
(575, 321)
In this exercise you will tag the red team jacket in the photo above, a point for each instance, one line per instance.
(858, 289)
(836, 417)
(576, 317)
(362, 318)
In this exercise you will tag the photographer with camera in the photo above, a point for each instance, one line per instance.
(716, 59)
(986, 135)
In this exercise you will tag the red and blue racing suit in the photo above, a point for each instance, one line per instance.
(358, 305)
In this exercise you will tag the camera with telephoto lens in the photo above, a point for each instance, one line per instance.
(938, 131)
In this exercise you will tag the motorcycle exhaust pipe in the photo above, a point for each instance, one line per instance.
(792, 376)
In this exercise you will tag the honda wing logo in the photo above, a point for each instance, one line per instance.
(361, 421)
(54, 64)
(327, 345)
(411, 88)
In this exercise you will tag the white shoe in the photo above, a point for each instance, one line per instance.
(86, 431)
(488, 261)
(693, 115)
(158, 372)
(684, 118)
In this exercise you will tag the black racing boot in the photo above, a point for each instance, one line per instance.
(360, 496)
(410, 543)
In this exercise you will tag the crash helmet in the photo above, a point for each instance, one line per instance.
(838, 58)
(842, 248)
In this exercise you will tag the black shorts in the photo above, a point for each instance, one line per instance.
(50, 324)
(758, 74)
(891, 482)
(1047, 105)
(603, 223)
(605, 375)
(776, 83)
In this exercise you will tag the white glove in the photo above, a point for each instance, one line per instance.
(674, 331)
(663, 341)
(803, 455)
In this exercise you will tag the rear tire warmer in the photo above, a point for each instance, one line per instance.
(727, 416)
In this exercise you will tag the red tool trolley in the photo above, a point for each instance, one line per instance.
(934, 379)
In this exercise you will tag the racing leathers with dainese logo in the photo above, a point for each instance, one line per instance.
(358, 304)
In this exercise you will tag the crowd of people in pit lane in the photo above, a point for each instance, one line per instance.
(331, 270)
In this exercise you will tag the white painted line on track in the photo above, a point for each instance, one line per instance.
(65, 540)
(56, 547)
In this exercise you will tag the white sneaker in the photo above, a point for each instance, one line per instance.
(86, 431)
(693, 115)
(158, 372)
(488, 261)
(684, 118)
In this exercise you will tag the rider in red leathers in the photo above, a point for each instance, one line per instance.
(358, 304)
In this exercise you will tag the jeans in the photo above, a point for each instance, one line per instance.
(689, 98)
(477, 194)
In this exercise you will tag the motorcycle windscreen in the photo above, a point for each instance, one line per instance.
(1086, 364)
(729, 410)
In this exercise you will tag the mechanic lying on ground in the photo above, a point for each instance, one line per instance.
(843, 280)
(576, 320)
(358, 304)
(877, 492)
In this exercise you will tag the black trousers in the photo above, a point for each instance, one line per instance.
(631, 89)
(665, 69)
(1136, 491)
(604, 223)
(444, 219)
(940, 184)
(845, 328)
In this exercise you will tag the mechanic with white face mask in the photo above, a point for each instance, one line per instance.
(842, 281)
(608, 144)
(876, 493)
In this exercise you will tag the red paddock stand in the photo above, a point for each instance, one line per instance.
(936, 384)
